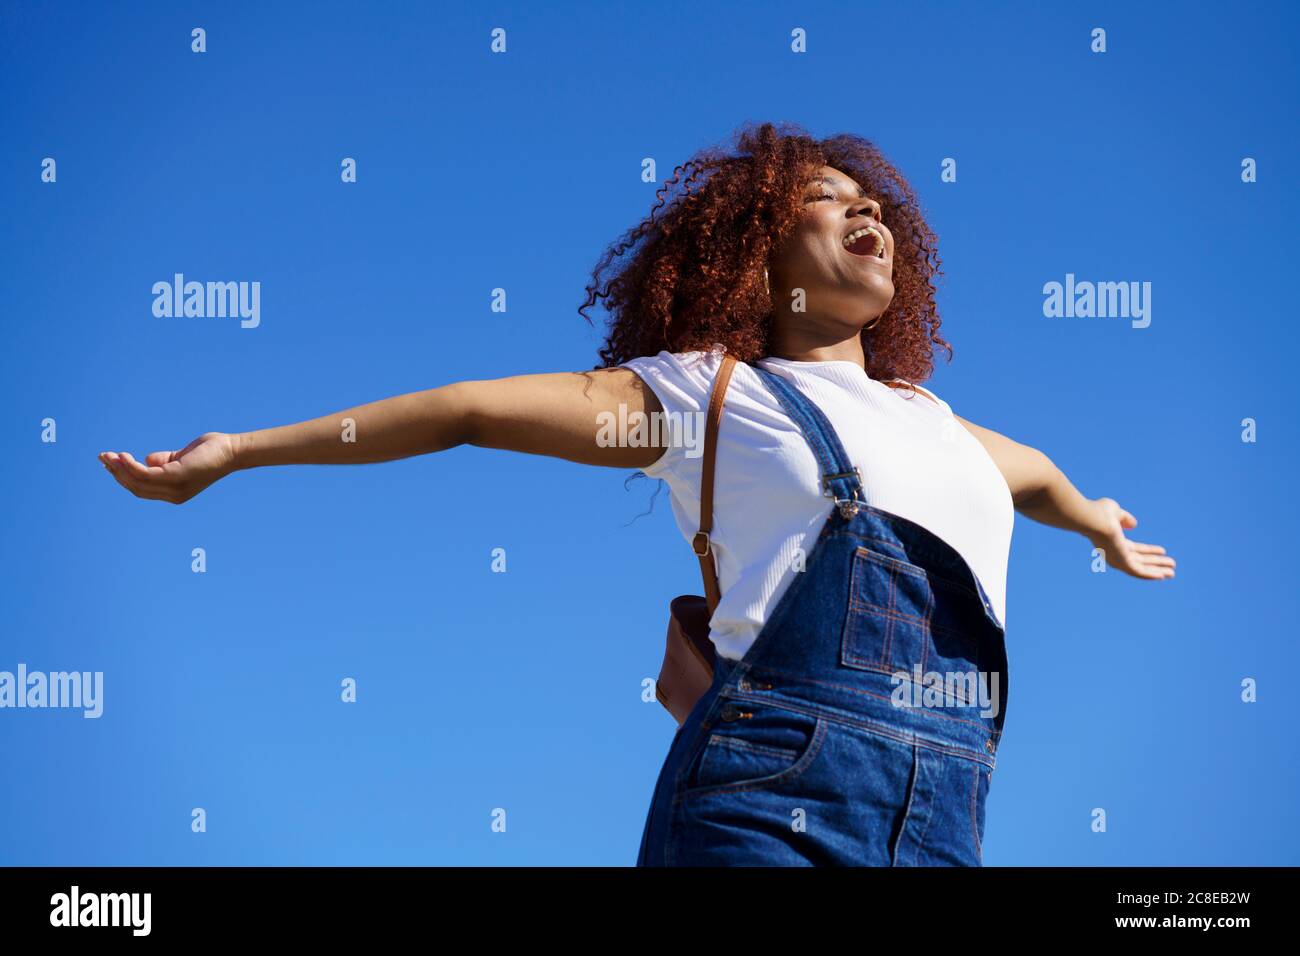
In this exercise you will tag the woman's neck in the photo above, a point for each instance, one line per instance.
(808, 346)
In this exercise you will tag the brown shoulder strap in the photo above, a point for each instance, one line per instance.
(701, 544)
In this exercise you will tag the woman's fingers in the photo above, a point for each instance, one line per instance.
(1147, 561)
(1154, 566)
(141, 481)
(1150, 560)
(1150, 572)
(137, 470)
(123, 478)
(1149, 554)
(150, 469)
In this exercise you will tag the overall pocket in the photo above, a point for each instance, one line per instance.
(900, 617)
(887, 628)
(754, 745)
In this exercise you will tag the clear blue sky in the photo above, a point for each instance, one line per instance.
(478, 171)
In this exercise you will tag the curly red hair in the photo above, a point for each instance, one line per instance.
(691, 273)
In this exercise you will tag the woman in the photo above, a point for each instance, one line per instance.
(860, 529)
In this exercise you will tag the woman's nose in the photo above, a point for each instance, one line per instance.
(868, 206)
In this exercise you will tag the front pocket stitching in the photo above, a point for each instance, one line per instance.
(792, 772)
(859, 605)
(890, 616)
(888, 641)
(915, 570)
(883, 730)
(891, 671)
(739, 743)
(929, 626)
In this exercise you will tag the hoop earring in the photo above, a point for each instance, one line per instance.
(766, 286)
(874, 322)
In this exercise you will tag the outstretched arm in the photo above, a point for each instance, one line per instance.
(1041, 491)
(553, 414)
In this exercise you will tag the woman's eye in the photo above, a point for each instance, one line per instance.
(816, 198)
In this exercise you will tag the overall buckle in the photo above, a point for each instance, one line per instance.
(848, 506)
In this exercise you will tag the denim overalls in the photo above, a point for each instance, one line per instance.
(800, 753)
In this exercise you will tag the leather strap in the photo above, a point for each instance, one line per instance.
(700, 543)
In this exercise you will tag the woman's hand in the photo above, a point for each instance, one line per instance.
(1110, 521)
(1041, 491)
(175, 476)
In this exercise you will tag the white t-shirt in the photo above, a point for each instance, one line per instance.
(916, 460)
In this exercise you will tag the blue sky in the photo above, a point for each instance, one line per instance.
(523, 690)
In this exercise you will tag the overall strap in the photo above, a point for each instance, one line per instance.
(701, 544)
(841, 480)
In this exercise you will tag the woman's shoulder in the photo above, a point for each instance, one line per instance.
(682, 382)
(690, 374)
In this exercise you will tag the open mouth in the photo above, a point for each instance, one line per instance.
(867, 243)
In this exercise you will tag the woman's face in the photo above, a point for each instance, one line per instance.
(845, 285)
